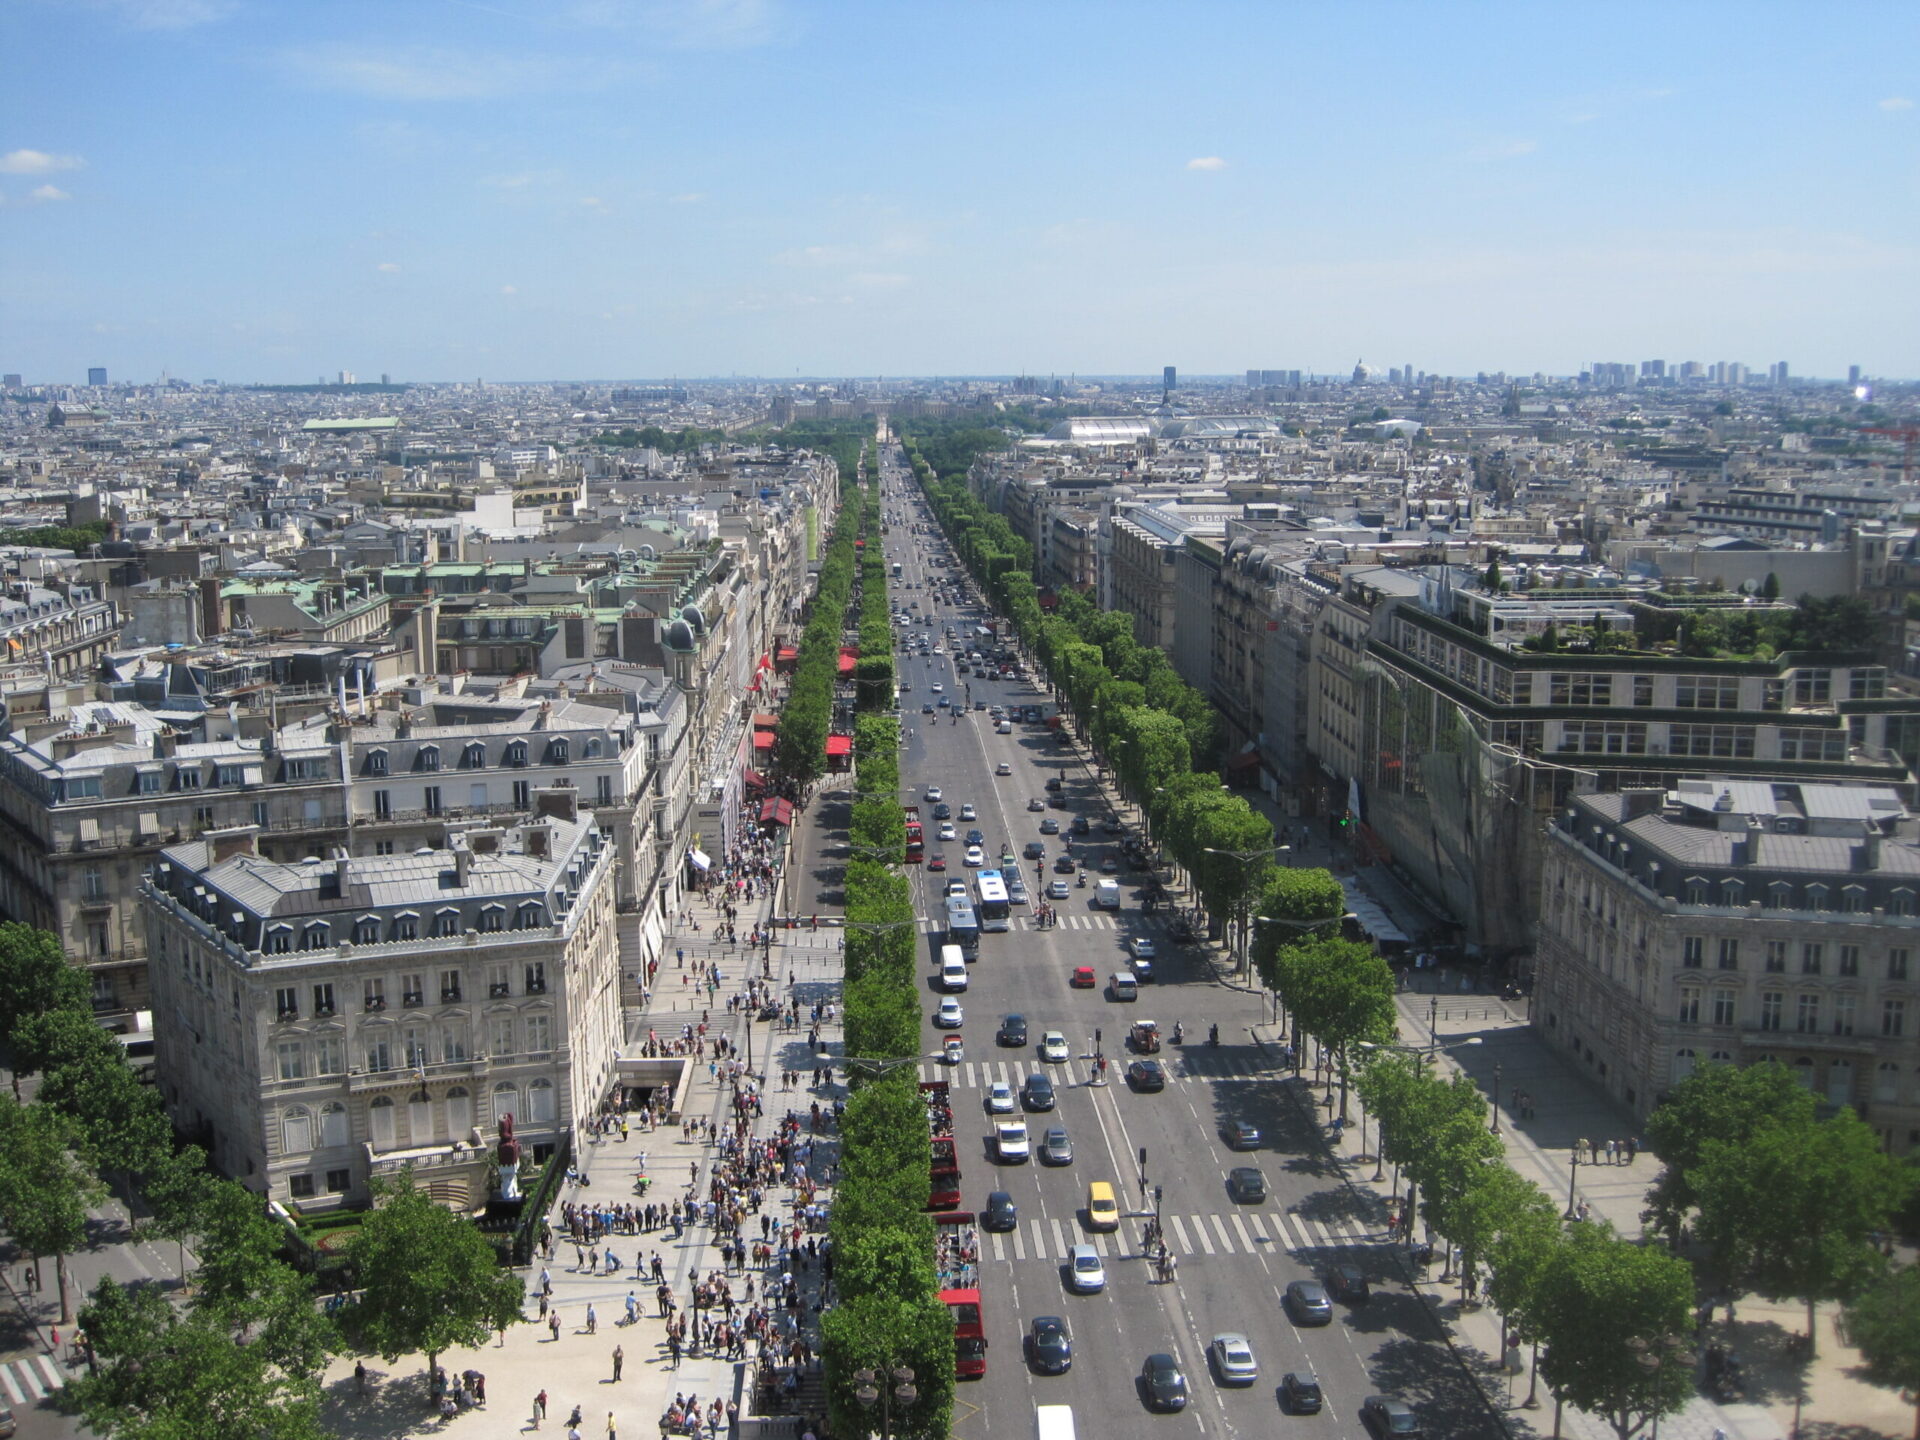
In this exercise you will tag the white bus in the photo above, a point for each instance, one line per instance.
(1053, 1422)
(994, 909)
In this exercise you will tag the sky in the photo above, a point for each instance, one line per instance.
(272, 190)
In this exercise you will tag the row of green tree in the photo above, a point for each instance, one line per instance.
(241, 1356)
(684, 441)
(1162, 737)
(78, 538)
(799, 751)
(889, 1312)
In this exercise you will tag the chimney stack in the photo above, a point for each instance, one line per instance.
(232, 841)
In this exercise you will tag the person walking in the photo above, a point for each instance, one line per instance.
(611, 1429)
(553, 1325)
(539, 1409)
(593, 1321)
(619, 1359)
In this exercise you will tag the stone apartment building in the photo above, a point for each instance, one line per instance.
(329, 1022)
(1731, 920)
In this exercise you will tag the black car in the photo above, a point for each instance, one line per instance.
(1389, 1419)
(1037, 1093)
(1056, 783)
(1246, 1184)
(1049, 1348)
(1035, 850)
(1080, 825)
(976, 837)
(943, 811)
(1063, 865)
(1300, 1394)
(1165, 1386)
(1000, 1213)
(1307, 1303)
(1345, 1282)
(1242, 1135)
(1013, 1030)
(1146, 1075)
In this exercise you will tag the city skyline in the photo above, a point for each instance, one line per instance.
(740, 187)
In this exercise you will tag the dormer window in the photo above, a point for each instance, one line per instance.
(446, 922)
(474, 757)
(517, 753)
(531, 916)
(366, 930)
(428, 758)
(316, 937)
(593, 748)
(557, 750)
(376, 762)
(279, 940)
(492, 918)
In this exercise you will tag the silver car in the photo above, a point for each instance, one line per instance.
(1085, 1273)
(1233, 1360)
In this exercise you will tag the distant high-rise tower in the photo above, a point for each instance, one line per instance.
(97, 375)
(1169, 379)
(9, 382)
(1778, 372)
(1853, 374)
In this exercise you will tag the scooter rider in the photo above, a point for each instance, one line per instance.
(1213, 1035)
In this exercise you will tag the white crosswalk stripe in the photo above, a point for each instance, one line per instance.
(1238, 1232)
(32, 1378)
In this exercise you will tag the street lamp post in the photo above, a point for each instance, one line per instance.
(870, 1390)
(1290, 925)
(1246, 857)
(1573, 1178)
(1496, 1097)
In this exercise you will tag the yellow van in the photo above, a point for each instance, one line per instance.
(1103, 1210)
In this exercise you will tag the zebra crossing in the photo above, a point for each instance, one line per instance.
(1069, 920)
(1251, 1231)
(31, 1379)
(1198, 1067)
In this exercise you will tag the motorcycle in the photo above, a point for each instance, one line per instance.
(1081, 882)
(1179, 1035)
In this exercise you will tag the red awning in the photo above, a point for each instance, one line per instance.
(754, 688)
(765, 661)
(787, 652)
(763, 739)
(764, 721)
(776, 812)
(755, 780)
(839, 744)
(847, 658)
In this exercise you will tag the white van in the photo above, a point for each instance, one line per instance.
(1106, 895)
(1053, 1422)
(953, 974)
(1123, 986)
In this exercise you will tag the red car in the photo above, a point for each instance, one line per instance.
(936, 861)
(1083, 978)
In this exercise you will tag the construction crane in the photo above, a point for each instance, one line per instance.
(1910, 436)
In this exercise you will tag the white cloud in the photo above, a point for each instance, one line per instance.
(509, 289)
(50, 193)
(690, 197)
(1896, 102)
(592, 202)
(1207, 162)
(688, 24)
(166, 14)
(37, 162)
(387, 267)
(429, 73)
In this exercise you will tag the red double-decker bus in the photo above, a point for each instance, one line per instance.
(969, 1333)
(916, 839)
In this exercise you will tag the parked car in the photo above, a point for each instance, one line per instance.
(1388, 1418)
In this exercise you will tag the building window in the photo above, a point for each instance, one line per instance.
(373, 993)
(376, 762)
(453, 1043)
(300, 1187)
(604, 793)
(406, 927)
(506, 1101)
(379, 1053)
(474, 757)
(1779, 896)
(536, 977)
(1683, 1061)
(1689, 1005)
(538, 1032)
(498, 985)
(1603, 737)
(1725, 1006)
(1817, 898)
(1867, 684)
(1812, 687)
(1850, 961)
(492, 918)
(1803, 742)
(591, 751)
(530, 916)
(500, 1035)
(430, 799)
(150, 782)
(333, 1124)
(1772, 1004)
(1806, 1020)
(279, 940)
(1893, 1019)
(1696, 891)
(186, 778)
(1733, 894)
(383, 804)
(287, 1002)
(1729, 954)
(1900, 902)
(413, 990)
(329, 1055)
(1811, 958)
(1643, 690)
(1706, 692)
(1718, 742)
(428, 758)
(93, 884)
(1853, 899)
(1693, 951)
(291, 1058)
(522, 794)
(540, 1106)
(1896, 964)
(316, 937)
(380, 1122)
(323, 999)
(446, 922)
(1843, 1008)
(449, 984)
(366, 930)
(339, 1181)
(1886, 1083)
(1580, 689)
(1776, 957)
